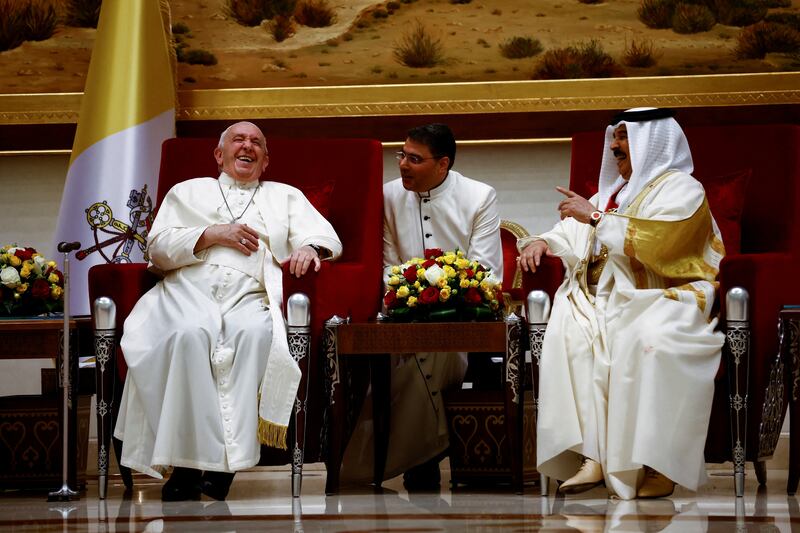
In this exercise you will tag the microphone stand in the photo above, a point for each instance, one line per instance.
(65, 493)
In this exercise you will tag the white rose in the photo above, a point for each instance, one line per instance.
(492, 280)
(433, 274)
(39, 264)
(9, 277)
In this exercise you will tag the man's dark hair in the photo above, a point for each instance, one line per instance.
(438, 138)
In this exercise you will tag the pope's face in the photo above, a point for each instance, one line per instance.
(619, 145)
(420, 170)
(243, 155)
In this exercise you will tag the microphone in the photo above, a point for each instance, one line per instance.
(67, 247)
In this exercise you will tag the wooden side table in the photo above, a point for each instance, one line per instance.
(374, 342)
(36, 338)
(789, 331)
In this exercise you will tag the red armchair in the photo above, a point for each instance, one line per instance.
(343, 178)
(745, 420)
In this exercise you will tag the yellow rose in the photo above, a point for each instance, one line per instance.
(442, 282)
(449, 271)
(444, 294)
(412, 301)
(25, 271)
(485, 285)
(460, 253)
(22, 287)
(421, 273)
(402, 292)
(464, 283)
(53, 277)
(473, 283)
(462, 264)
(14, 261)
(51, 264)
(449, 258)
(56, 292)
(479, 275)
(395, 270)
(417, 285)
(394, 280)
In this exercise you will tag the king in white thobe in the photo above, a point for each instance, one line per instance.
(629, 359)
(209, 371)
(461, 213)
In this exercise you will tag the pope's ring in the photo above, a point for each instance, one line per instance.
(243, 241)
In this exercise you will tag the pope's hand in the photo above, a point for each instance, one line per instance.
(237, 236)
(301, 259)
(531, 255)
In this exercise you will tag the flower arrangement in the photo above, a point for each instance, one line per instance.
(442, 286)
(29, 284)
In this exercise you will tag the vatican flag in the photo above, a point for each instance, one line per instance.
(127, 111)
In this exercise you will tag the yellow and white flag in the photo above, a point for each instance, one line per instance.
(127, 111)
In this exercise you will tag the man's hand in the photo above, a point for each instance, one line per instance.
(237, 236)
(301, 259)
(575, 206)
(531, 255)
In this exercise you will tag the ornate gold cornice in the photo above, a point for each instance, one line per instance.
(440, 99)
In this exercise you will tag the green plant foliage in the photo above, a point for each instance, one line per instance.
(689, 18)
(520, 47)
(418, 48)
(584, 60)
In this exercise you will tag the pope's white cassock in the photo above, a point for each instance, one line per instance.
(209, 371)
(461, 213)
(629, 357)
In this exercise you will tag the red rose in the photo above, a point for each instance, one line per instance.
(429, 296)
(470, 273)
(433, 252)
(410, 274)
(472, 296)
(429, 263)
(40, 289)
(390, 300)
(25, 253)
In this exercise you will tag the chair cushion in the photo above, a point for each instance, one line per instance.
(726, 199)
(320, 196)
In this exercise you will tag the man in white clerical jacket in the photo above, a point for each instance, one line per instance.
(630, 352)
(210, 377)
(430, 206)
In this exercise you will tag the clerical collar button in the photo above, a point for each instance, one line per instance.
(426, 217)
(426, 200)
(427, 235)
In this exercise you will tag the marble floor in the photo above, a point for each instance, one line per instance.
(260, 501)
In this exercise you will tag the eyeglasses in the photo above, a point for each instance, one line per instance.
(414, 159)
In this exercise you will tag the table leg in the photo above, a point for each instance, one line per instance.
(514, 399)
(381, 379)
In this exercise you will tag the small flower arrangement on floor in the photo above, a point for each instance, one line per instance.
(30, 285)
(442, 287)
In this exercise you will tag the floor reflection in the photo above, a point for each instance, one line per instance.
(261, 501)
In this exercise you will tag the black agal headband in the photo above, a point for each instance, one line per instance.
(642, 116)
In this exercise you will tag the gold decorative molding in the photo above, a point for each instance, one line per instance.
(440, 99)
